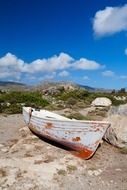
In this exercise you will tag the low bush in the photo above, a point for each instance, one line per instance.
(78, 116)
(18, 99)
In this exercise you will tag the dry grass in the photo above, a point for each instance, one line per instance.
(123, 150)
(38, 161)
(62, 172)
(48, 159)
(3, 172)
(71, 168)
(28, 154)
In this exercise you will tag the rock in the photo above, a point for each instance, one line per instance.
(4, 150)
(120, 110)
(116, 134)
(97, 172)
(90, 172)
(102, 101)
(51, 91)
(8, 104)
(24, 131)
(94, 172)
(1, 145)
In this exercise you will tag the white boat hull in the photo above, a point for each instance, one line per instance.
(82, 137)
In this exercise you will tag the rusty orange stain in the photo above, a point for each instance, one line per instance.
(81, 153)
(49, 125)
(84, 154)
(76, 139)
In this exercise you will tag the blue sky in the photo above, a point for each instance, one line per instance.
(83, 41)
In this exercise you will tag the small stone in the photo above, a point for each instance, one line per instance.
(96, 172)
(118, 169)
(48, 147)
(34, 137)
(103, 182)
(90, 172)
(24, 131)
(4, 150)
(1, 145)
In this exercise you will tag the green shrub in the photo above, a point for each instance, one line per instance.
(13, 109)
(71, 101)
(16, 99)
(78, 116)
(76, 94)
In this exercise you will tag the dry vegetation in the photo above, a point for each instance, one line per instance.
(11, 102)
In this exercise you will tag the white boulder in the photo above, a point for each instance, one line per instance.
(102, 101)
(117, 132)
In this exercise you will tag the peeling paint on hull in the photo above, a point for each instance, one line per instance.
(81, 137)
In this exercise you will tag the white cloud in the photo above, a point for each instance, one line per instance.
(12, 67)
(108, 73)
(123, 77)
(113, 75)
(54, 63)
(64, 74)
(51, 76)
(86, 78)
(4, 75)
(11, 60)
(125, 51)
(110, 20)
(13, 75)
(86, 64)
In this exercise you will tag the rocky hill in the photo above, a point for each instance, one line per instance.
(53, 87)
(66, 85)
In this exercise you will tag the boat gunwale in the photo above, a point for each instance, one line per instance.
(71, 120)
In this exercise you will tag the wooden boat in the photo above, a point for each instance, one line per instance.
(81, 137)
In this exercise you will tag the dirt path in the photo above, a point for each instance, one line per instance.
(28, 163)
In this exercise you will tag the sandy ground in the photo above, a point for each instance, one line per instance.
(29, 163)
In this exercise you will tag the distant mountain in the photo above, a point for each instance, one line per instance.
(89, 88)
(68, 85)
(7, 85)
(92, 89)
